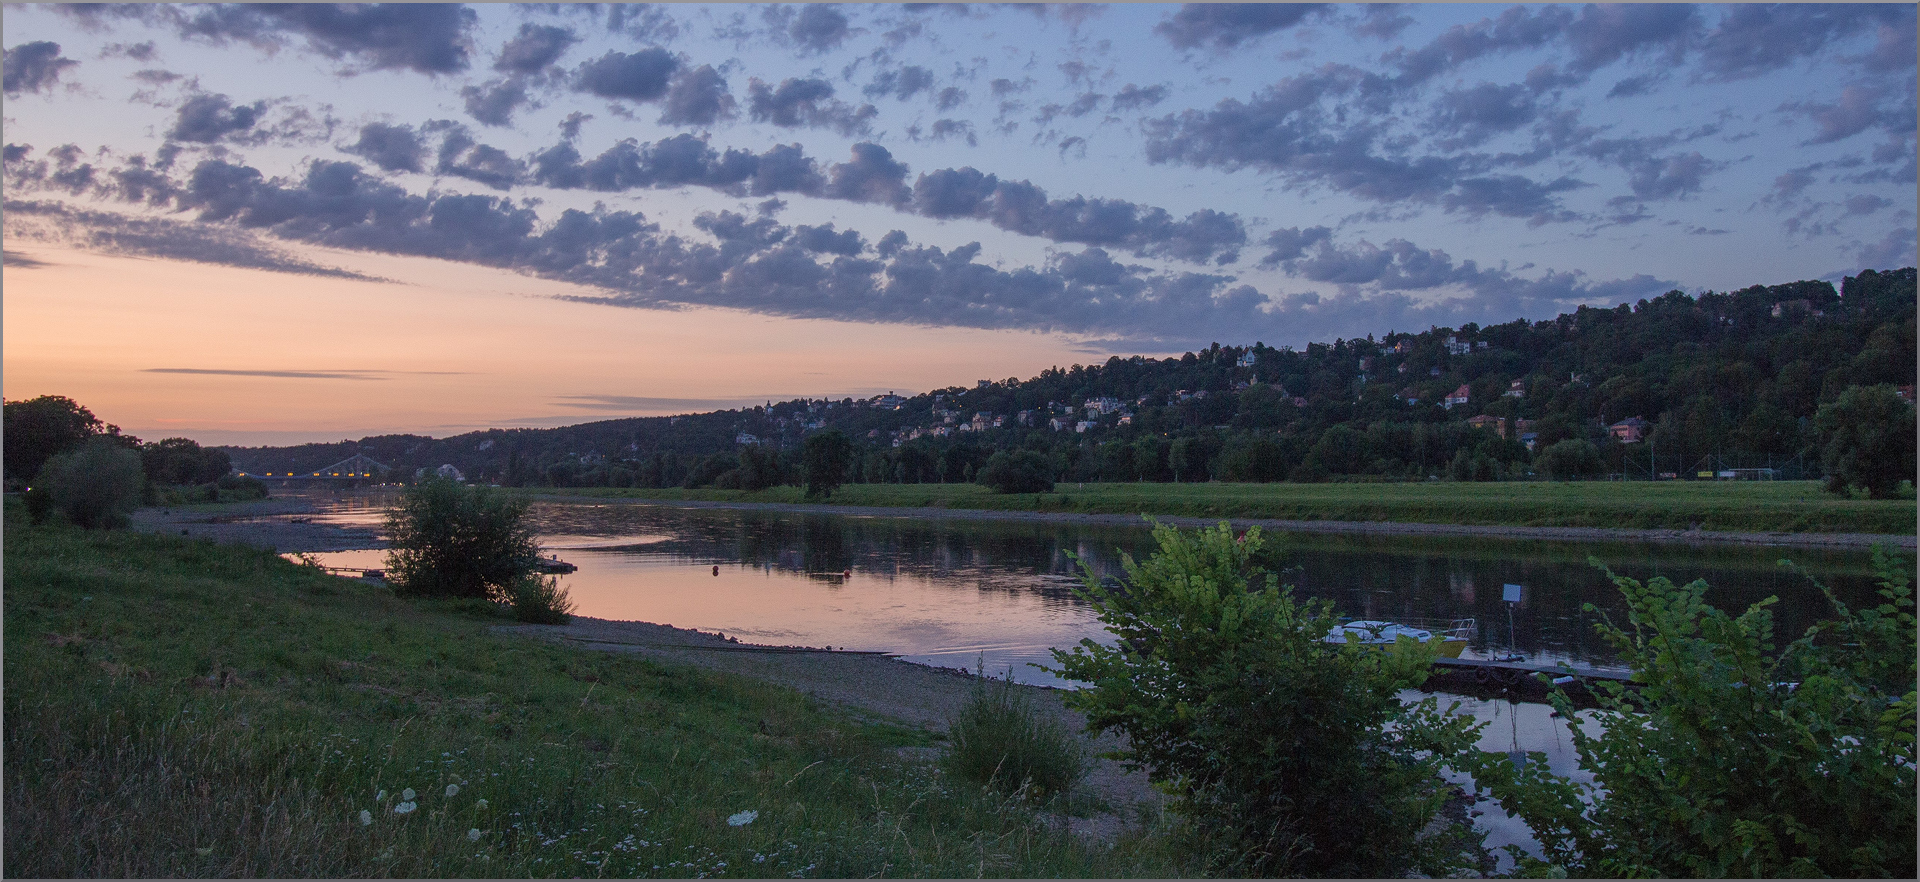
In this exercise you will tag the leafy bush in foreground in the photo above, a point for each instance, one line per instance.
(1293, 755)
(1732, 761)
(451, 540)
(1000, 740)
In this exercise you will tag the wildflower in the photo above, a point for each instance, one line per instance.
(452, 790)
(481, 805)
(380, 797)
(404, 808)
(203, 852)
(474, 834)
(406, 795)
(742, 819)
(366, 817)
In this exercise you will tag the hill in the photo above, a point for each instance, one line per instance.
(1674, 385)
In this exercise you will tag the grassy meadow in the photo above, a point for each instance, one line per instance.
(177, 708)
(1745, 506)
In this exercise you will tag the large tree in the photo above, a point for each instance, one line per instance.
(38, 428)
(827, 456)
(1866, 441)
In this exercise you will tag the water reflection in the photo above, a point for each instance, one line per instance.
(957, 592)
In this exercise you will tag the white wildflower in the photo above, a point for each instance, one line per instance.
(452, 790)
(366, 817)
(474, 834)
(404, 808)
(406, 795)
(481, 805)
(380, 797)
(742, 819)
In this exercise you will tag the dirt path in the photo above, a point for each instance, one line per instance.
(1380, 528)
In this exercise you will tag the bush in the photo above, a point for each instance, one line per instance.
(1734, 762)
(1568, 460)
(39, 428)
(1294, 755)
(450, 540)
(1000, 740)
(1023, 471)
(94, 487)
(1867, 441)
(540, 600)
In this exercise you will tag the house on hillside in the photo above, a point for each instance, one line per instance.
(746, 438)
(1247, 360)
(1459, 396)
(1457, 346)
(1515, 389)
(1409, 395)
(1631, 430)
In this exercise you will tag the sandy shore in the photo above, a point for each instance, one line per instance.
(1377, 528)
(277, 524)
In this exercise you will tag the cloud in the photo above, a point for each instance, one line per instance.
(33, 67)
(1132, 97)
(1603, 34)
(391, 147)
(463, 157)
(1226, 25)
(871, 175)
(426, 38)
(142, 52)
(494, 103)
(901, 84)
(207, 118)
(114, 233)
(1471, 116)
(533, 49)
(1754, 39)
(284, 375)
(1895, 250)
(640, 76)
(805, 102)
(1858, 109)
(698, 96)
(21, 260)
(818, 28)
(623, 403)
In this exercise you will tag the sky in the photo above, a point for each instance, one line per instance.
(272, 224)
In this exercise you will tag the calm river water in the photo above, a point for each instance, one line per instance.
(958, 593)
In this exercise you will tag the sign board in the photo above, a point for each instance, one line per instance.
(1510, 593)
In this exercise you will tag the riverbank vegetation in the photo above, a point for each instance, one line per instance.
(177, 708)
(1775, 506)
(1679, 386)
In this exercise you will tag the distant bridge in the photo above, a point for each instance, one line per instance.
(358, 467)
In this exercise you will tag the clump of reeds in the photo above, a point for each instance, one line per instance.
(540, 600)
(1001, 740)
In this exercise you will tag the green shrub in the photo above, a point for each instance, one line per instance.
(1866, 441)
(1023, 471)
(1570, 459)
(540, 600)
(95, 487)
(1732, 761)
(450, 540)
(1000, 740)
(1293, 756)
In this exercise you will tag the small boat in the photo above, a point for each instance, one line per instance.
(553, 564)
(1449, 642)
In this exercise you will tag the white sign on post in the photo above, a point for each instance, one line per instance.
(1511, 593)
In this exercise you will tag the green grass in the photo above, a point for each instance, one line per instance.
(176, 708)
(1757, 506)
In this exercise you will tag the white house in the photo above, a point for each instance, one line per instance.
(1459, 396)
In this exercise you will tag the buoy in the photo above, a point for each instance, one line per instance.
(847, 574)
(716, 569)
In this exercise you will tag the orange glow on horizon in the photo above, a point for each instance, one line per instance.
(165, 348)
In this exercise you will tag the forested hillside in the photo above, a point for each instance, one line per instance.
(1674, 385)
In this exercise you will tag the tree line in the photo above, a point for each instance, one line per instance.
(1720, 380)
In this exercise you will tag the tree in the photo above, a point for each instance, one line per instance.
(827, 456)
(95, 486)
(38, 428)
(183, 461)
(1023, 471)
(1297, 755)
(1731, 760)
(1569, 459)
(450, 540)
(1866, 441)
